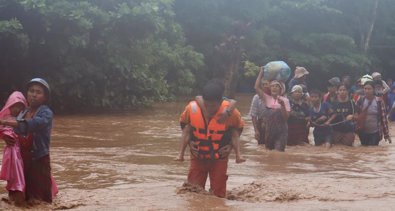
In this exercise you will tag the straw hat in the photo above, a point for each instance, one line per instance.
(300, 72)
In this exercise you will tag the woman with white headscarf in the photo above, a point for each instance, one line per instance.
(298, 130)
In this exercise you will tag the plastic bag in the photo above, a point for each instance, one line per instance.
(277, 70)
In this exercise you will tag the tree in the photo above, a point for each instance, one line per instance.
(98, 54)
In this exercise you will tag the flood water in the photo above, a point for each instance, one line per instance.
(124, 161)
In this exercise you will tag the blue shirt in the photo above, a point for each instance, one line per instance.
(40, 126)
(325, 110)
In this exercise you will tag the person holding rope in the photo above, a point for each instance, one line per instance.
(342, 120)
(319, 119)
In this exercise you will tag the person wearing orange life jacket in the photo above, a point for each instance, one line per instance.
(210, 141)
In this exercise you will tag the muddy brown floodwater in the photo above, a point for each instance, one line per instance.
(124, 161)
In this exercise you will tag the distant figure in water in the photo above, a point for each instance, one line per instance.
(257, 111)
(210, 141)
(276, 113)
(298, 130)
(345, 112)
(372, 124)
(300, 79)
(33, 126)
(319, 119)
(331, 96)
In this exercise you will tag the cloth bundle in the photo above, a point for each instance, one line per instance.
(277, 70)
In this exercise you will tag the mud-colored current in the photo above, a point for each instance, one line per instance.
(124, 161)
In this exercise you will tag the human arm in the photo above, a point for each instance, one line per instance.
(355, 110)
(199, 100)
(7, 133)
(386, 88)
(42, 119)
(285, 107)
(330, 119)
(254, 112)
(235, 124)
(8, 140)
(9, 122)
(258, 82)
(384, 120)
(331, 115)
(185, 137)
(236, 145)
(329, 112)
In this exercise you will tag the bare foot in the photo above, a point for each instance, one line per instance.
(180, 159)
(240, 160)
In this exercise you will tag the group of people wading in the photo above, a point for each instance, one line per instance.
(25, 126)
(211, 125)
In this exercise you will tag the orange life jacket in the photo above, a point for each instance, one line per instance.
(209, 137)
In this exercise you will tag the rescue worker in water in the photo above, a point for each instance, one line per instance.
(210, 141)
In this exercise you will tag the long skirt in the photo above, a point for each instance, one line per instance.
(38, 179)
(276, 130)
(262, 129)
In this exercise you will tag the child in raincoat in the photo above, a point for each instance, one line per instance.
(12, 164)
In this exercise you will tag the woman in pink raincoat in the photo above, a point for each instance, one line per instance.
(12, 164)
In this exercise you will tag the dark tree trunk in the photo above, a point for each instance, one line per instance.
(231, 51)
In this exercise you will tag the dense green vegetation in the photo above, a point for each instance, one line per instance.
(126, 53)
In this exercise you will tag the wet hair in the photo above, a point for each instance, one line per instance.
(316, 92)
(213, 91)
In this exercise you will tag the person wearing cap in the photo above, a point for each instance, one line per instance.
(34, 125)
(359, 93)
(276, 114)
(298, 129)
(299, 79)
(331, 96)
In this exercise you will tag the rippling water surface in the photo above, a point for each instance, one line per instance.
(124, 161)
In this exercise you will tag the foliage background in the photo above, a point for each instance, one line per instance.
(129, 53)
